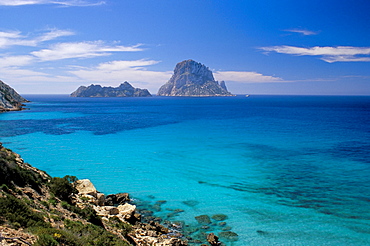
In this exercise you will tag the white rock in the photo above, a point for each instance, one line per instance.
(126, 210)
(85, 187)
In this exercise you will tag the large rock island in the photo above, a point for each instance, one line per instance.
(10, 100)
(192, 78)
(124, 90)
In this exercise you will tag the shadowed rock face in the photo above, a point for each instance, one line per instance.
(124, 90)
(9, 98)
(192, 78)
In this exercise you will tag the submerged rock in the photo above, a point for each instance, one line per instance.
(219, 217)
(190, 203)
(203, 219)
(192, 78)
(229, 236)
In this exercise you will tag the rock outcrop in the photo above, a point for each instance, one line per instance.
(191, 78)
(123, 90)
(10, 100)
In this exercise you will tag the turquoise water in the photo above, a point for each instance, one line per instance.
(286, 170)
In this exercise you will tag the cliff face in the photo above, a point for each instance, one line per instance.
(124, 90)
(9, 98)
(191, 78)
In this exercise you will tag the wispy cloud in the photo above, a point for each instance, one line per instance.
(245, 77)
(81, 50)
(16, 61)
(70, 3)
(15, 38)
(328, 53)
(302, 31)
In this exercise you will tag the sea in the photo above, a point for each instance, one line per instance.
(261, 170)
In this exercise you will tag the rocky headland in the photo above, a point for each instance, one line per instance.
(123, 90)
(37, 209)
(10, 100)
(191, 78)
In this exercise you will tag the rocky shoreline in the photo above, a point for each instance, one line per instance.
(150, 229)
(37, 209)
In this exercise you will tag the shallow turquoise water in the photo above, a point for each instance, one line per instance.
(285, 170)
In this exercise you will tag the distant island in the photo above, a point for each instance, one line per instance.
(10, 100)
(123, 90)
(192, 78)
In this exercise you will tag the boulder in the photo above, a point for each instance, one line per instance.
(117, 199)
(213, 239)
(126, 211)
(85, 187)
(105, 211)
(122, 198)
(100, 199)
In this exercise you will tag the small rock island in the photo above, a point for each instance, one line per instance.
(123, 90)
(192, 78)
(10, 100)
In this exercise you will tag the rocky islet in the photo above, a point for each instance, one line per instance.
(191, 78)
(123, 90)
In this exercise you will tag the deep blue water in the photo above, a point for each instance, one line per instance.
(286, 170)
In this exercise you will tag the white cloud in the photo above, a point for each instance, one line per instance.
(119, 71)
(15, 38)
(121, 65)
(15, 61)
(302, 31)
(245, 77)
(57, 2)
(328, 53)
(53, 34)
(80, 50)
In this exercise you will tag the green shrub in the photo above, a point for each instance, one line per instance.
(62, 188)
(11, 172)
(46, 240)
(56, 237)
(117, 223)
(19, 214)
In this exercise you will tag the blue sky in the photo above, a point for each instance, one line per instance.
(316, 47)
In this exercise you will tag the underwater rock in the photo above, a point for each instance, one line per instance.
(219, 217)
(263, 233)
(229, 236)
(203, 219)
(160, 202)
(190, 203)
(223, 223)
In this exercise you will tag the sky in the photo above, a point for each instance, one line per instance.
(285, 47)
